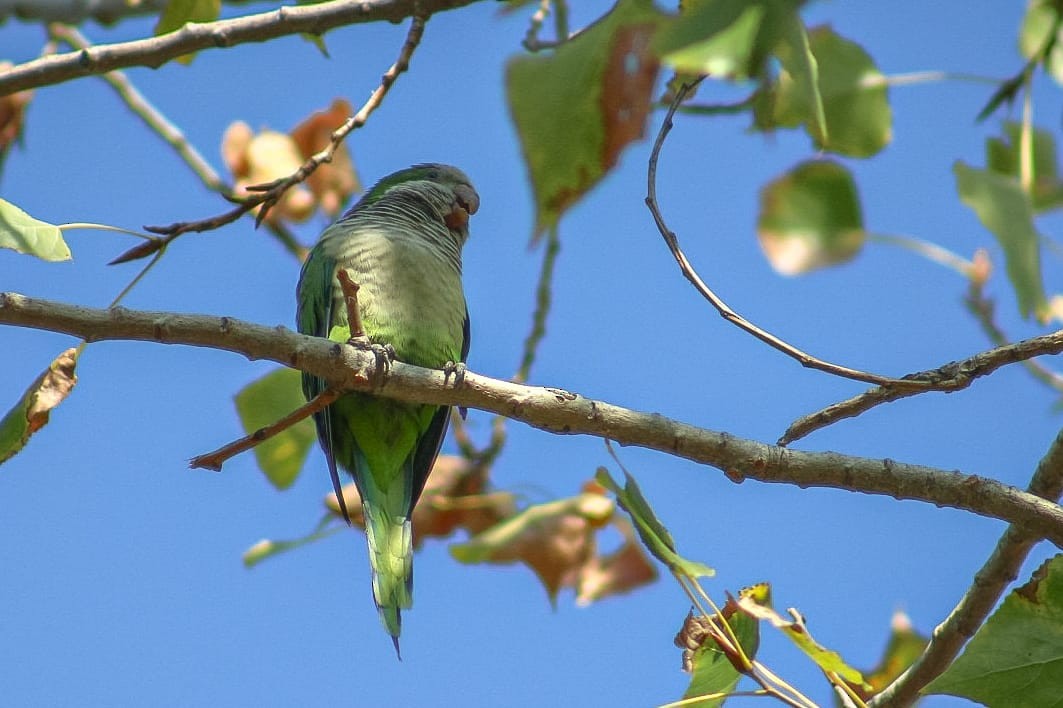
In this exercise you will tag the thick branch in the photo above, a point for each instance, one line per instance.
(550, 409)
(156, 51)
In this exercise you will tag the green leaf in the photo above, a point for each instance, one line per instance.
(33, 410)
(577, 108)
(268, 549)
(1016, 657)
(652, 532)
(1005, 209)
(21, 232)
(712, 671)
(726, 38)
(904, 647)
(1002, 155)
(266, 401)
(852, 99)
(810, 218)
(178, 13)
(1041, 20)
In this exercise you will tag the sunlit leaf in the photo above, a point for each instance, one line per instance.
(1003, 156)
(797, 632)
(618, 572)
(332, 183)
(712, 670)
(33, 410)
(555, 539)
(652, 532)
(1005, 209)
(21, 232)
(576, 108)
(904, 647)
(726, 38)
(1016, 657)
(852, 98)
(267, 548)
(1041, 19)
(180, 12)
(266, 401)
(810, 218)
(262, 158)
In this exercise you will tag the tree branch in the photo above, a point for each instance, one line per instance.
(551, 409)
(155, 51)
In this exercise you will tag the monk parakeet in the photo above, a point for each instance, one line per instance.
(402, 244)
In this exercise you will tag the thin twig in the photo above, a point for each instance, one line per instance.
(954, 376)
(531, 40)
(999, 570)
(214, 460)
(806, 360)
(269, 194)
(350, 296)
(551, 409)
(313, 19)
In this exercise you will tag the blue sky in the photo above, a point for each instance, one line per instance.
(122, 581)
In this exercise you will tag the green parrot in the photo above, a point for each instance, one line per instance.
(402, 244)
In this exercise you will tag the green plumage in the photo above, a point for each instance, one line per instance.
(402, 243)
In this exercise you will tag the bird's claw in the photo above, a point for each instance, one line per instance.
(457, 370)
(384, 354)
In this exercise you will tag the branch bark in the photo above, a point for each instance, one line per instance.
(551, 409)
(156, 51)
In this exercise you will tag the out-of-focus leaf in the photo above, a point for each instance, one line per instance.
(712, 668)
(1016, 657)
(180, 12)
(333, 182)
(652, 532)
(1005, 209)
(810, 218)
(1041, 20)
(576, 108)
(12, 117)
(454, 497)
(797, 632)
(904, 647)
(266, 401)
(268, 549)
(852, 98)
(1003, 156)
(619, 572)
(263, 158)
(726, 38)
(555, 539)
(21, 232)
(32, 411)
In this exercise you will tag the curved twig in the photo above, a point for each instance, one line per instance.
(553, 410)
(726, 312)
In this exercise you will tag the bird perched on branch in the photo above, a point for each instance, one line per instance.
(401, 244)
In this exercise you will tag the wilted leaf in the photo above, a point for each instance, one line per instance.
(712, 668)
(577, 108)
(619, 572)
(851, 96)
(12, 116)
(32, 411)
(726, 38)
(332, 183)
(266, 401)
(262, 159)
(21, 232)
(1042, 18)
(810, 218)
(180, 12)
(454, 498)
(904, 647)
(555, 539)
(1004, 208)
(829, 661)
(1016, 657)
(268, 549)
(1003, 156)
(652, 532)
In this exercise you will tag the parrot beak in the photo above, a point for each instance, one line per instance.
(467, 202)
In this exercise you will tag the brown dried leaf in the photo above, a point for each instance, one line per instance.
(627, 85)
(262, 159)
(12, 114)
(453, 499)
(332, 183)
(31, 413)
(617, 573)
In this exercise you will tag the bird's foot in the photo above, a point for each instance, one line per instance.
(383, 353)
(457, 370)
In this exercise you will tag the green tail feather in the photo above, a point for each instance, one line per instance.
(391, 558)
